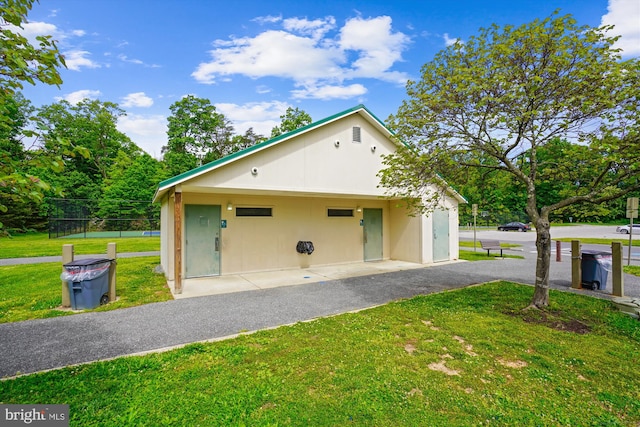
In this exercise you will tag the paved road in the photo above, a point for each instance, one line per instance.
(528, 239)
(38, 345)
(42, 259)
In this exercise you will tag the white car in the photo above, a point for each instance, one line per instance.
(626, 229)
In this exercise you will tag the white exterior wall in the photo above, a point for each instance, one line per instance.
(311, 164)
(269, 243)
(300, 179)
(406, 231)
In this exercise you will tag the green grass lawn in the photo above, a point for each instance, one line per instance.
(481, 255)
(39, 244)
(34, 291)
(459, 358)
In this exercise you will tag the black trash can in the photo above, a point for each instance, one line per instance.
(595, 268)
(88, 281)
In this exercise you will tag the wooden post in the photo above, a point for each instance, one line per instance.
(558, 251)
(576, 267)
(177, 242)
(616, 269)
(112, 253)
(67, 257)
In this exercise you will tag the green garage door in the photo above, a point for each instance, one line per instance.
(202, 234)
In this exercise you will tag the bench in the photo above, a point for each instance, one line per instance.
(491, 245)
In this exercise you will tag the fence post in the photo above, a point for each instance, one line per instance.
(616, 268)
(576, 267)
(112, 254)
(67, 257)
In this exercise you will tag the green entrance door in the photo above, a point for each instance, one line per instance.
(372, 221)
(440, 235)
(202, 234)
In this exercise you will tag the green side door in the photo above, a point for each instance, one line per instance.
(440, 235)
(202, 235)
(372, 222)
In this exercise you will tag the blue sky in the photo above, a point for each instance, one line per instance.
(253, 59)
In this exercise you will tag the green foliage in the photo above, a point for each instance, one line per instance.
(507, 101)
(133, 178)
(22, 62)
(90, 126)
(292, 119)
(196, 129)
(176, 163)
(502, 101)
(466, 357)
(249, 139)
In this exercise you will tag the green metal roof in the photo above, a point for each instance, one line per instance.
(185, 176)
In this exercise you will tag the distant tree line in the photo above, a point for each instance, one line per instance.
(99, 163)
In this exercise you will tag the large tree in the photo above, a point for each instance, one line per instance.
(292, 119)
(198, 132)
(507, 94)
(90, 126)
(20, 62)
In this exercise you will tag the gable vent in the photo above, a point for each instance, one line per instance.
(356, 134)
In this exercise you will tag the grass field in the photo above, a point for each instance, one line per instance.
(459, 358)
(39, 244)
(467, 357)
(34, 291)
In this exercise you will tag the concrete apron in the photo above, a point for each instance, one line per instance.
(215, 285)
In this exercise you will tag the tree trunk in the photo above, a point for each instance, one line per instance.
(543, 263)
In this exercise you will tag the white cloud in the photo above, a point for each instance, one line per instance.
(625, 16)
(76, 59)
(124, 58)
(314, 54)
(138, 99)
(448, 41)
(378, 47)
(330, 92)
(271, 53)
(262, 89)
(31, 30)
(261, 116)
(316, 28)
(79, 95)
(269, 19)
(148, 132)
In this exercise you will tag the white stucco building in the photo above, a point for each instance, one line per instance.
(248, 211)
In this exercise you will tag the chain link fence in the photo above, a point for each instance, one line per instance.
(102, 218)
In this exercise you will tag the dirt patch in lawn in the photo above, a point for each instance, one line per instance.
(554, 319)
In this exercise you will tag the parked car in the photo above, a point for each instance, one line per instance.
(514, 226)
(626, 229)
